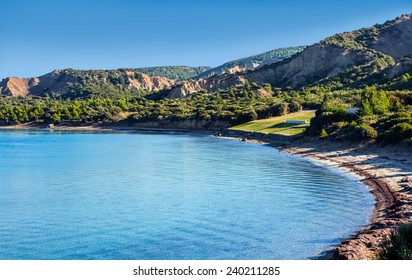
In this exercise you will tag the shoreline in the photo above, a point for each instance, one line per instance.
(386, 171)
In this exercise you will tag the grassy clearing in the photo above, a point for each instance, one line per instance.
(277, 125)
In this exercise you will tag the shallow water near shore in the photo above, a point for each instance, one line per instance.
(115, 196)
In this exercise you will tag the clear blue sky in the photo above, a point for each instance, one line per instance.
(39, 36)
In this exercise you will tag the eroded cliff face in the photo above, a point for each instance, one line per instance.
(396, 39)
(13, 86)
(317, 62)
(60, 82)
(212, 84)
(149, 83)
(399, 68)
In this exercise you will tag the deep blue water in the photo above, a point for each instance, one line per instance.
(164, 196)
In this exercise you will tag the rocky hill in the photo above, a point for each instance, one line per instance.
(361, 53)
(344, 59)
(69, 81)
(252, 62)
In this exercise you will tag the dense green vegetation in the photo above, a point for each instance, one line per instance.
(399, 244)
(174, 72)
(234, 106)
(277, 54)
(383, 116)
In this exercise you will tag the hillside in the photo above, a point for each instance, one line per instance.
(73, 83)
(345, 58)
(80, 82)
(354, 58)
(174, 72)
(254, 61)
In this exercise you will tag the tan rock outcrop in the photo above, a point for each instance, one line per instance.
(16, 86)
(60, 82)
(212, 84)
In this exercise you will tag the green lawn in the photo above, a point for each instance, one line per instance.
(277, 125)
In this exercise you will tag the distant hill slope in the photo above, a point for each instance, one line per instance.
(350, 58)
(174, 72)
(83, 82)
(346, 58)
(254, 61)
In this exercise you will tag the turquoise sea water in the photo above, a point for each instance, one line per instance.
(167, 196)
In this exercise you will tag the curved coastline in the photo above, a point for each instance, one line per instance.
(387, 172)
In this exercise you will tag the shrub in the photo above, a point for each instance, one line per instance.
(399, 244)
(391, 120)
(403, 128)
(369, 120)
(364, 132)
(244, 117)
(324, 134)
(279, 109)
(295, 106)
(268, 87)
(397, 133)
(374, 102)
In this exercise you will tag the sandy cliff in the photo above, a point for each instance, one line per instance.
(60, 82)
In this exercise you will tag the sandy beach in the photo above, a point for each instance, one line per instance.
(386, 171)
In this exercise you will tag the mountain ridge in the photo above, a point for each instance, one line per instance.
(153, 78)
(253, 61)
(371, 50)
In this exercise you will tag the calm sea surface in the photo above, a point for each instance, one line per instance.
(164, 196)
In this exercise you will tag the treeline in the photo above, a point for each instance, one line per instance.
(234, 106)
(378, 113)
(382, 116)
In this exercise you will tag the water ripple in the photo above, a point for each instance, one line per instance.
(136, 196)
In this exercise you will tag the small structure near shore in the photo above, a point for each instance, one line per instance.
(353, 111)
(295, 122)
